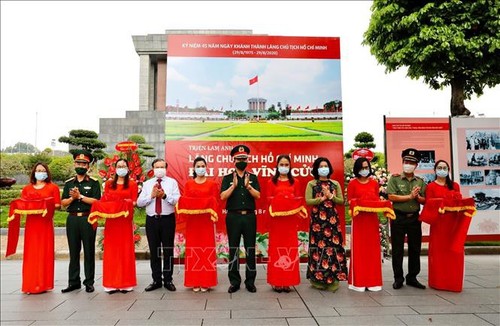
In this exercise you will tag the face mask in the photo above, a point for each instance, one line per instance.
(323, 172)
(40, 176)
(160, 172)
(81, 171)
(241, 165)
(121, 172)
(283, 169)
(408, 168)
(200, 171)
(364, 173)
(442, 173)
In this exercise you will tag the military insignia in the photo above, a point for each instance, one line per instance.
(241, 149)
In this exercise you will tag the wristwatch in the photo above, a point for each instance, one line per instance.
(81, 197)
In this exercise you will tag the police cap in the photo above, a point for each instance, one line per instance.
(411, 154)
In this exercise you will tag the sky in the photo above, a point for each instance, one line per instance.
(66, 64)
(224, 82)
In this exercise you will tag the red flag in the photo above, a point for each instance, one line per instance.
(253, 80)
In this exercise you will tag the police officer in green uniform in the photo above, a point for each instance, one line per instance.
(78, 195)
(407, 192)
(241, 189)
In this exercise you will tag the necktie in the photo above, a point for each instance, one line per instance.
(158, 200)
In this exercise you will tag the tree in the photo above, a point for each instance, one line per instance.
(11, 166)
(20, 147)
(85, 139)
(364, 140)
(62, 168)
(144, 149)
(448, 43)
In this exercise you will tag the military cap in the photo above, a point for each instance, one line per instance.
(411, 154)
(240, 151)
(82, 155)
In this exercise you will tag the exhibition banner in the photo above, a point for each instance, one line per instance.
(274, 94)
(430, 136)
(476, 167)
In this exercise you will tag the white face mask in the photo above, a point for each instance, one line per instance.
(121, 172)
(200, 171)
(283, 169)
(408, 168)
(160, 172)
(323, 172)
(364, 173)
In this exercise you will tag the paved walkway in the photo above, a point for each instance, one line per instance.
(478, 304)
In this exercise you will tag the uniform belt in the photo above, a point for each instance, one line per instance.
(158, 216)
(79, 213)
(406, 214)
(242, 211)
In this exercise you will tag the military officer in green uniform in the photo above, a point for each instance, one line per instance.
(241, 189)
(78, 195)
(407, 192)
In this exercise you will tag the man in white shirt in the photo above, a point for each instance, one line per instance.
(159, 195)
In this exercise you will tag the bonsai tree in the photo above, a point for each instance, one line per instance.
(85, 139)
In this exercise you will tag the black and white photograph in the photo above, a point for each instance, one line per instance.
(486, 199)
(471, 178)
(482, 140)
(492, 177)
(477, 159)
(494, 159)
(428, 177)
(427, 160)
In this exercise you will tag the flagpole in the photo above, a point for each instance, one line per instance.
(258, 101)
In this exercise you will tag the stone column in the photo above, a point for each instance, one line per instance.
(145, 75)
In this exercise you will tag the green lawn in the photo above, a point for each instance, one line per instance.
(333, 127)
(251, 131)
(174, 128)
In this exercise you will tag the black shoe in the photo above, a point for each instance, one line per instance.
(233, 288)
(89, 288)
(113, 291)
(71, 288)
(170, 286)
(415, 284)
(251, 288)
(397, 285)
(287, 289)
(278, 289)
(125, 291)
(153, 286)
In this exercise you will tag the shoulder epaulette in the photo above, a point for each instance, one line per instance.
(92, 178)
(70, 179)
(419, 177)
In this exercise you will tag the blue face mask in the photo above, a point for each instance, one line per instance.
(283, 169)
(364, 172)
(121, 172)
(200, 171)
(442, 173)
(40, 176)
(323, 172)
